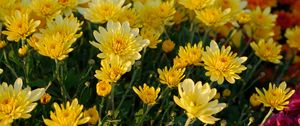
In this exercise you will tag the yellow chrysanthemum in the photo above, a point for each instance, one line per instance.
(262, 19)
(292, 35)
(19, 26)
(131, 16)
(214, 16)
(112, 69)
(267, 51)
(236, 6)
(196, 4)
(121, 40)
(171, 77)
(152, 36)
(93, 114)
(147, 94)
(101, 11)
(195, 99)
(23, 50)
(70, 5)
(275, 97)
(191, 54)
(67, 115)
(167, 46)
(180, 62)
(17, 103)
(254, 100)
(5, 7)
(46, 9)
(103, 88)
(2, 44)
(222, 63)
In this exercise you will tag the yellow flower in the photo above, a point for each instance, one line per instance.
(121, 40)
(267, 51)
(226, 93)
(5, 7)
(191, 54)
(70, 5)
(236, 6)
(67, 115)
(292, 35)
(195, 99)
(93, 114)
(275, 97)
(46, 9)
(130, 15)
(254, 100)
(147, 94)
(23, 50)
(103, 88)
(243, 18)
(45, 98)
(112, 69)
(262, 19)
(152, 36)
(217, 96)
(19, 26)
(101, 11)
(171, 77)
(180, 62)
(214, 16)
(16, 103)
(2, 44)
(196, 4)
(168, 45)
(222, 63)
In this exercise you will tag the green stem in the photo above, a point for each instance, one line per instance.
(253, 70)
(59, 78)
(267, 116)
(284, 69)
(144, 115)
(112, 97)
(188, 121)
(6, 63)
(206, 34)
(100, 108)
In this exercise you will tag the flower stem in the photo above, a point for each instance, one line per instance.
(144, 115)
(60, 81)
(268, 115)
(112, 97)
(188, 121)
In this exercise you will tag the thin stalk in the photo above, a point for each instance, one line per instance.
(188, 121)
(112, 97)
(8, 66)
(64, 91)
(100, 108)
(144, 115)
(267, 116)
(253, 70)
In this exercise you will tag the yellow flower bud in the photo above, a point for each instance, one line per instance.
(93, 114)
(103, 88)
(217, 96)
(254, 100)
(23, 50)
(2, 44)
(168, 46)
(45, 98)
(226, 93)
(243, 18)
(223, 123)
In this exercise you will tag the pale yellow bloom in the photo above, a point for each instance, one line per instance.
(121, 40)
(131, 16)
(292, 35)
(152, 36)
(93, 114)
(214, 16)
(17, 103)
(168, 45)
(191, 54)
(196, 4)
(275, 97)
(222, 63)
(46, 9)
(112, 69)
(147, 94)
(267, 51)
(67, 115)
(103, 88)
(19, 26)
(171, 77)
(254, 100)
(195, 99)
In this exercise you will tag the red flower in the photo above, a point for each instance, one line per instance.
(284, 19)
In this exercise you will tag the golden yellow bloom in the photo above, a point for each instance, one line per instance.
(292, 35)
(222, 63)
(214, 16)
(262, 19)
(243, 18)
(147, 94)
(19, 26)
(5, 7)
(180, 62)
(112, 69)
(226, 93)
(67, 115)
(23, 50)
(103, 88)
(171, 77)
(45, 98)
(101, 11)
(16, 103)
(70, 5)
(275, 97)
(93, 114)
(254, 100)
(46, 9)
(119, 39)
(267, 51)
(2, 44)
(191, 54)
(152, 36)
(131, 16)
(195, 99)
(168, 45)
(196, 4)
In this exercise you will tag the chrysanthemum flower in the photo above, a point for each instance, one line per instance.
(131, 16)
(93, 114)
(275, 97)
(17, 103)
(19, 26)
(262, 18)
(195, 99)
(101, 11)
(112, 69)
(222, 63)
(103, 88)
(180, 62)
(67, 115)
(147, 94)
(254, 100)
(70, 5)
(191, 54)
(171, 77)
(46, 9)
(5, 8)
(267, 51)
(152, 36)
(252, 4)
(214, 16)
(167, 46)
(121, 40)
(292, 35)
(196, 4)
